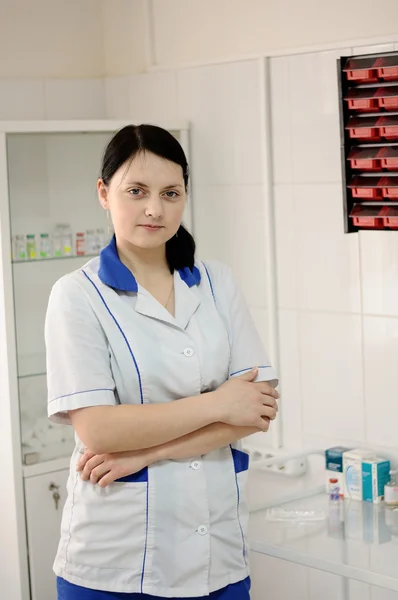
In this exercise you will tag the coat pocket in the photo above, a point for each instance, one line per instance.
(108, 525)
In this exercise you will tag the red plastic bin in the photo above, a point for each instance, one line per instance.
(389, 103)
(390, 133)
(390, 163)
(367, 217)
(367, 193)
(390, 216)
(364, 164)
(390, 192)
(362, 70)
(362, 75)
(388, 73)
(363, 104)
(367, 188)
(389, 158)
(365, 133)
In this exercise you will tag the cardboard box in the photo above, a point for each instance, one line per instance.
(375, 474)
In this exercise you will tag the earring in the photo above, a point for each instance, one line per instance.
(108, 221)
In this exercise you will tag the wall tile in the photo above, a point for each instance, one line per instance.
(117, 97)
(229, 226)
(153, 97)
(377, 593)
(281, 120)
(75, 99)
(223, 104)
(314, 106)
(373, 49)
(286, 246)
(290, 384)
(328, 259)
(331, 375)
(260, 317)
(326, 586)
(13, 99)
(277, 579)
(381, 379)
(379, 259)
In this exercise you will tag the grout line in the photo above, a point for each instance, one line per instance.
(325, 311)
(364, 424)
(336, 46)
(301, 391)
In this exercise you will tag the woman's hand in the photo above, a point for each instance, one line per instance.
(106, 468)
(245, 403)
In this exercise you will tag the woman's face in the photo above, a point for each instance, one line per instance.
(146, 200)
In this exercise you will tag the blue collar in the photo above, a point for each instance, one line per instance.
(116, 275)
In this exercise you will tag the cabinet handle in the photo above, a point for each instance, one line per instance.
(56, 495)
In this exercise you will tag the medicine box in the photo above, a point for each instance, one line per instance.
(334, 466)
(352, 471)
(375, 474)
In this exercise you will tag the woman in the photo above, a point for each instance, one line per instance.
(154, 360)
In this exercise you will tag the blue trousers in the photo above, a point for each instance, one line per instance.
(70, 591)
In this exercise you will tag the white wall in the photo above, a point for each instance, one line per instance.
(71, 39)
(51, 38)
(187, 31)
(338, 294)
(124, 36)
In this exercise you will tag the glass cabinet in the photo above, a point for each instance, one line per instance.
(51, 223)
(55, 225)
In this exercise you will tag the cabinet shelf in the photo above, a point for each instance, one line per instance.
(357, 539)
(31, 365)
(52, 258)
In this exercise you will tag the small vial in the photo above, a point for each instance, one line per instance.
(57, 243)
(334, 489)
(391, 490)
(67, 241)
(100, 239)
(31, 246)
(80, 243)
(90, 241)
(45, 246)
(20, 247)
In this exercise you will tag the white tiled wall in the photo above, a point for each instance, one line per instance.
(281, 580)
(337, 293)
(25, 99)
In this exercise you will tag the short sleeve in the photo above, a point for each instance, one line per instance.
(78, 362)
(247, 349)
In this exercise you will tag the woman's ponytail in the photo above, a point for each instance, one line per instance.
(180, 250)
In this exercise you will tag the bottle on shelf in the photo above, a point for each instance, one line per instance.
(45, 245)
(31, 246)
(100, 239)
(391, 490)
(57, 241)
(80, 243)
(67, 241)
(90, 241)
(19, 250)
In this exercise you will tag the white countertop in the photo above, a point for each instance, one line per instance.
(358, 540)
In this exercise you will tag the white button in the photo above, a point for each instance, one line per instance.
(188, 352)
(195, 464)
(202, 529)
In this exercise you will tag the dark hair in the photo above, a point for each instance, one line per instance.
(124, 146)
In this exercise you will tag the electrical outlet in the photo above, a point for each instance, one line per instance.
(291, 466)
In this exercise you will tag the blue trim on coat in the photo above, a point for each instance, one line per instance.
(142, 402)
(113, 273)
(241, 460)
(139, 477)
